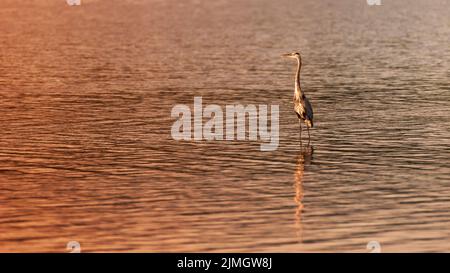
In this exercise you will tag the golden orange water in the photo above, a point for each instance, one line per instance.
(86, 153)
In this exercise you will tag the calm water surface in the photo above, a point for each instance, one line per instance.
(86, 152)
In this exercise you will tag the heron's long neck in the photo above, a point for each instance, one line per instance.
(298, 89)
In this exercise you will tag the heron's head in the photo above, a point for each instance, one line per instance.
(293, 55)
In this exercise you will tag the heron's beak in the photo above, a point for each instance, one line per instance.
(287, 55)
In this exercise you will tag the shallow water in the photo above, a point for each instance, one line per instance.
(86, 153)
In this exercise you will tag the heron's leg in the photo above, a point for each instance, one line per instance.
(300, 122)
(309, 137)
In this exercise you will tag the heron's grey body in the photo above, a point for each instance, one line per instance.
(302, 106)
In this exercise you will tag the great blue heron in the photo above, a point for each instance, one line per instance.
(302, 106)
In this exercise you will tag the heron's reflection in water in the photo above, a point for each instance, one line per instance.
(304, 158)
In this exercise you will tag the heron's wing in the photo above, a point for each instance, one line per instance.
(309, 109)
(304, 109)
